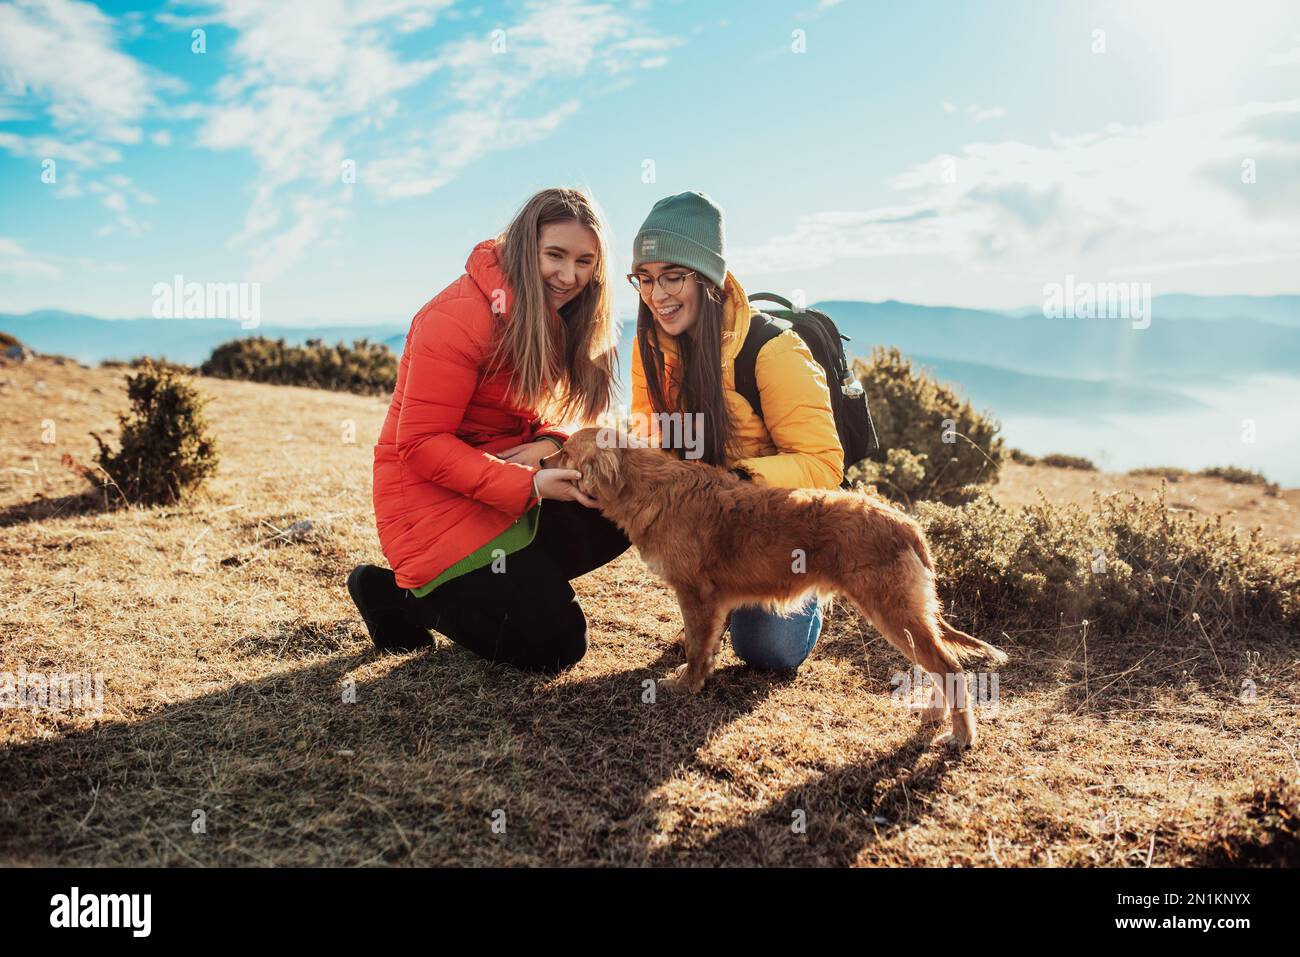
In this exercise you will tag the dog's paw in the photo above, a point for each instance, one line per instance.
(954, 742)
(673, 683)
(678, 682)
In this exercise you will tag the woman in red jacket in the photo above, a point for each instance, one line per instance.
(483, 539)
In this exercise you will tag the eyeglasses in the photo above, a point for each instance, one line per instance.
(671, 284)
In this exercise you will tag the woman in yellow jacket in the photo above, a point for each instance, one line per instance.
(691, 324)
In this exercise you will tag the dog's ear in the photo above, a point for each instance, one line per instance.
(601, 470)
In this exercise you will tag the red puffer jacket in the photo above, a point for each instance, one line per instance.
(439, 492)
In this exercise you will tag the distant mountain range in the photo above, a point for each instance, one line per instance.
(190, 341)
(990, 385)
(1009, 363)
(1281, 310)
(1074, 348)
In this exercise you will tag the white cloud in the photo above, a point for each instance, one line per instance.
(465, 137)
(278, 253)
(311, 77)
(65, 53)
(79, 152)
(501, 83)
(1290, 57)
(304, 70)
(16, 261)
(978, 113)
(61, 56)
(117, 192)
(1157, 197)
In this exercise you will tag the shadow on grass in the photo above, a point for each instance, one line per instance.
(42, 509)
(830, 821)
(411, 764)
(1105, 673)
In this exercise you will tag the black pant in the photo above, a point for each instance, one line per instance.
(527, 614)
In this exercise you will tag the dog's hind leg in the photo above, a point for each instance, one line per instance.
(906, 613)
(936, 711)
(704, 620)
(950, 695)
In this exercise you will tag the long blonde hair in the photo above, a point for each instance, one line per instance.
(567, 370)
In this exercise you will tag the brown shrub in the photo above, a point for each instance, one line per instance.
(1126, 564)
(932, 441)
(166, 450)
(367, 368)
(1057, 460)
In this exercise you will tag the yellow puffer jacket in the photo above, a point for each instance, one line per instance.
(797, 446)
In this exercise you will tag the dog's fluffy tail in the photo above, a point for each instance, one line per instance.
(966, 646)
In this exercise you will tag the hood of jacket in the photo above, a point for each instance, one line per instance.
(485, 270)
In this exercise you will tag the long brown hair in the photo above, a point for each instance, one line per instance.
(699, 351)
(565, 371)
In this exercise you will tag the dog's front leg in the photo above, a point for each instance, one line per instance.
(679, 640)
(703, 619)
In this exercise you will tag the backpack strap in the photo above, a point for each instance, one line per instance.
(771, 297)
(762, 330)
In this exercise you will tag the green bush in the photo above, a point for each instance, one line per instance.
(1169, 472)
(933, 443)
(1060, 461)
(140, 361)
(1238, 476)
(365, 367)
(166, 450)
(1128, 563)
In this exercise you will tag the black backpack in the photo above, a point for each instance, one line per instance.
(817, 330)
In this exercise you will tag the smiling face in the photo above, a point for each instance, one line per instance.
(674, 313)
(567, 254)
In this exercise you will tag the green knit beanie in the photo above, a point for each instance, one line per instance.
(685, 230)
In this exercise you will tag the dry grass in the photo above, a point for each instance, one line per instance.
(1245, 506)
(226, 684)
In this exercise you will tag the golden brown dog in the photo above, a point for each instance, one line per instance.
(720, 542)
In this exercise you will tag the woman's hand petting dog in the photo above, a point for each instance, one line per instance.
(530, 453)
(561, 485)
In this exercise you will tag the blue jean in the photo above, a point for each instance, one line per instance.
(766, 640)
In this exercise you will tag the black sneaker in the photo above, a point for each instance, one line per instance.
(384, 609)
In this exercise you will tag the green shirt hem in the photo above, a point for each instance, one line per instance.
(517, 536)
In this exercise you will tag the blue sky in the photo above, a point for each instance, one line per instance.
(959, 153)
